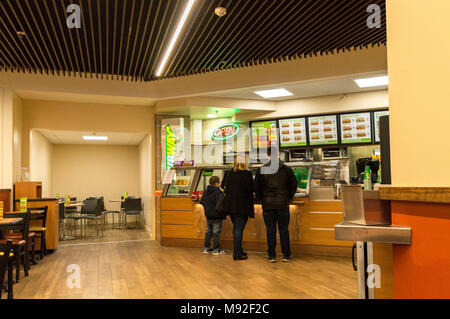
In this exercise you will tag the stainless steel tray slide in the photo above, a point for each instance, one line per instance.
(378, 234)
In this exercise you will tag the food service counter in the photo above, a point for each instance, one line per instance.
(182, 221)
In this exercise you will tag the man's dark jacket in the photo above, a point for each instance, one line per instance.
(276, 190)
(210, 198)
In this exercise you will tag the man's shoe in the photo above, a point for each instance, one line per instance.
(206, 250)
(240, 258)
(271, 259)
(220, 252)
(287, 259)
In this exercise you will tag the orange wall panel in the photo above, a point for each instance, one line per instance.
(422, 269)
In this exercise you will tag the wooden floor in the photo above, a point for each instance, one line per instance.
(125, 264)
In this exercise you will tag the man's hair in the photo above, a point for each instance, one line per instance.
(213, 180)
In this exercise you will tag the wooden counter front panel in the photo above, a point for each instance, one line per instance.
(318, 223)
(182, 218)
(172, 203)
(177, 231)
(177, 218)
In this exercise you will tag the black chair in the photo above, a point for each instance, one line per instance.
(103, 209)
(132, 206)
(5, 264)
(20, 245)
(74, 216)
(119, 212)
(40, 230)
(93, 210)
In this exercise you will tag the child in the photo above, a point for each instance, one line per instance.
(210, 198)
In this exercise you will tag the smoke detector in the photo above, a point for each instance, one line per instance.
(220, 11)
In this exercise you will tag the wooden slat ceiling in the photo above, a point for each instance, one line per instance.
(126, 39)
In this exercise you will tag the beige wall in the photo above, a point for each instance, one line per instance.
(69, 116)
(41, 162)
(17, 138)
(418, 91)
(6, 138)
(147, 182)
(95, 170)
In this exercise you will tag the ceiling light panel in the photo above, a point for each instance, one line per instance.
(268, 94)
(373, 81)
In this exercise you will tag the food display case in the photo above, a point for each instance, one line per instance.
(182, 183)
(191, 181)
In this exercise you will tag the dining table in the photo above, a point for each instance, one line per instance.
(6, 224)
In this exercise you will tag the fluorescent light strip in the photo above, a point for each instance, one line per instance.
(374, 81)
(175, 37)
(211, 116)
(95, 138)
(267, 94)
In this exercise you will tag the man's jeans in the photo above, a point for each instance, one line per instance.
(271, 218)
(213, 229)
(239, 223)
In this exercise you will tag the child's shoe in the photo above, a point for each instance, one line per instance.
(220, 252)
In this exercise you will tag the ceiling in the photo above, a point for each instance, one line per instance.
(127, 39)
(304, 89)
(83, 98)
(72, 137)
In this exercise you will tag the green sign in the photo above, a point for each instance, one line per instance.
(208, 172)
(225, 132)
(171, 146)
(23, 205)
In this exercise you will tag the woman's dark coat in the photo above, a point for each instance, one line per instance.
(238, 190)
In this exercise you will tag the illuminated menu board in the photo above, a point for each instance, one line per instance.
(264, 133)
(377, 116)
(323, 130)
(293, 132)
(356, 128)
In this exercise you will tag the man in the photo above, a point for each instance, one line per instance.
(275, 187)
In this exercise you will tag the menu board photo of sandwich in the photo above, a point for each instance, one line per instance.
(377, 116)
(356, 128)
(293, 132)
(264, 133)
(323, 130)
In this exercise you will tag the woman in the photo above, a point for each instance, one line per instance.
(239, 202)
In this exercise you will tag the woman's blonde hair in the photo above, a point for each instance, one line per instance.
(240, 163)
